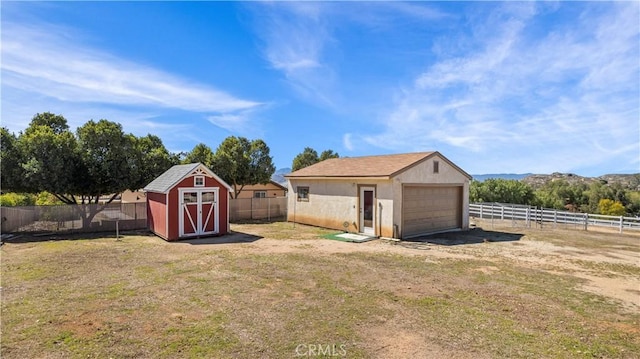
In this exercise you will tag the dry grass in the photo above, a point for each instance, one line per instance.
(278, 290)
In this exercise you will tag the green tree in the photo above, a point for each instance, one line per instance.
(200, 153)
(327, 154)
(10, 173)
(57, 123)
(610, 207)
(561, 194)
(501, 190)
(108, 159)
(309, 156)
(153, 160)
(241, 162)
(49, 158)
(100, 159)
(595, 192)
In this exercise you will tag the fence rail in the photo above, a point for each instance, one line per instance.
(529, 215)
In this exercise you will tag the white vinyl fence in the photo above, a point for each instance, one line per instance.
(528, 215)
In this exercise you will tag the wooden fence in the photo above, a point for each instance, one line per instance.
(528, 215)
(127, 216)
(68, 218)
(244, 209)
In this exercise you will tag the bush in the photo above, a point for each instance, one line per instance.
(17, 199)
(611, 208)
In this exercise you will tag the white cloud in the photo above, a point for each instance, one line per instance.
(523, 102)
(48, 63)
(299, 39)
(346, 142)
(294, 38)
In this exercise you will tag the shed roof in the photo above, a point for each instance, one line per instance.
(175, 174)
(385, 166)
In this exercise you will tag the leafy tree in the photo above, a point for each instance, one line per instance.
(100, 159)
(611, 208)
(561, 194)
(309, 157)
(501, 190)
(9, 160)
(327, 154)
(200, 153)
(633, 207)
(108, 160)
(47, 199)
(241, 162)
(153, 160)
(57, 123)
(48, 159)
(596, 192)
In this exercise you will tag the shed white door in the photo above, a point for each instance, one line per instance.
(198, 211)
(367, 210)
(429, 209)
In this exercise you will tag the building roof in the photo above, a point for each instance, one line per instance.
(175, 174)
(259, 185)
(385, 166)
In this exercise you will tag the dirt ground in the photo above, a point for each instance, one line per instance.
(264, 283)
(524, 246)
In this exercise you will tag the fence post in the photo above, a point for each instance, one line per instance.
(481, 207)
(502, 213)
(586, 221)
(269, 209)
(621, 223)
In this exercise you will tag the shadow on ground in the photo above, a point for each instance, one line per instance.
(474, 236)
(231, 237)
(69, 236)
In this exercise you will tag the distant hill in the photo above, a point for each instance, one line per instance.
(507, 176)
(628, 181)
(278, 176)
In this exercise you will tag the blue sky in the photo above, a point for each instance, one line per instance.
(496, 87)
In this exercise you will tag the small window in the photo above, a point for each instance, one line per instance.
(436, 167)
(198, 181)
(190, 197)
(259, 194)
(303, 194)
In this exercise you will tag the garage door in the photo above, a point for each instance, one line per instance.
(428, 209)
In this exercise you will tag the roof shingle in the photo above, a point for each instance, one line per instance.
(368, 166)
(173, 175)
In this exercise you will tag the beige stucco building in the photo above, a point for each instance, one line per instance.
(268, 190)
(396, 196)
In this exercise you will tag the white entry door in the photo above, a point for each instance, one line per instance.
(368, 210)
(198, 213)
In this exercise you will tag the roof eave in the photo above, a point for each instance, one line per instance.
(340, 177)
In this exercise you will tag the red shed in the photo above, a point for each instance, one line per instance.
(188, 201)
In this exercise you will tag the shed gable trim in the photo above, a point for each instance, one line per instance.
(170, 178)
